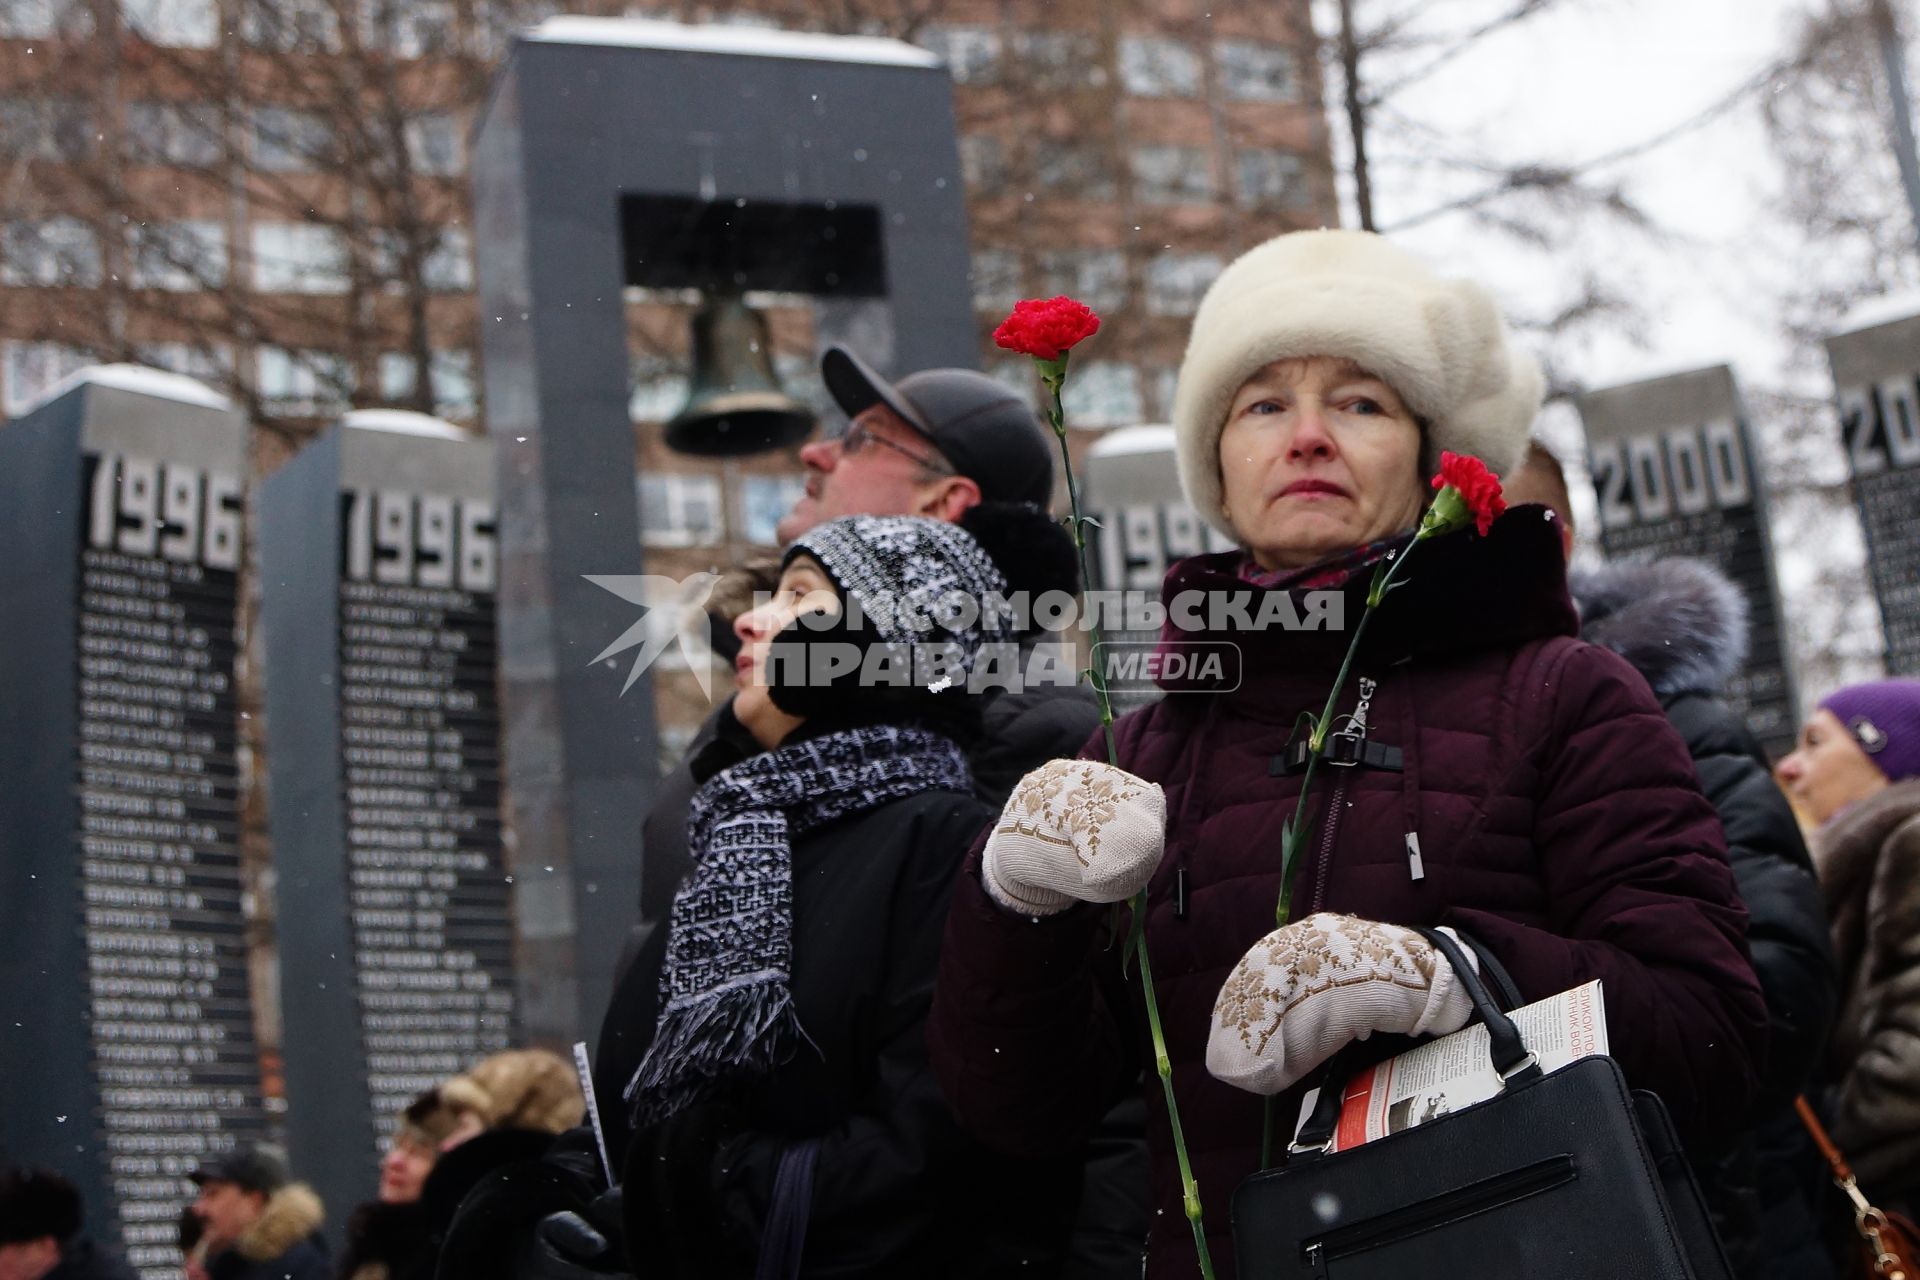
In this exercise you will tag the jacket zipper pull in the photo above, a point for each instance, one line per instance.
(1180, 893)
(1415, 868)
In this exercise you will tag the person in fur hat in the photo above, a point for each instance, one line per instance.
(257, 1223)
(40, 1232)
(1503, 779)
(392, 1237)
(1855, 774)
(1683, 626)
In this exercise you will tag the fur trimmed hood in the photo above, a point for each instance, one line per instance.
(292, 1214)
(1681, 623)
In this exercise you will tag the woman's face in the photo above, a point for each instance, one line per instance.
(404, 1170)
(1827, 771)
(1318, 456)
(804, 588)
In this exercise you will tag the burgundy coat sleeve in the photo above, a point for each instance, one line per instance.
(1640, 894)
(1023, 1035)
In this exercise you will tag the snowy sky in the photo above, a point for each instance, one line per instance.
(1585, 79)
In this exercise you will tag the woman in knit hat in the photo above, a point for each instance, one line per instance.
(1501, 778)
(1855, 775)
(762, 1076)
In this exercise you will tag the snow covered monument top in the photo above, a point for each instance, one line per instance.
(621, 153)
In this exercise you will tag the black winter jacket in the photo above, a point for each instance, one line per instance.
(1684, 628)
(897, 1190)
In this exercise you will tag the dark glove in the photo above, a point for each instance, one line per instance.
(586, 1242)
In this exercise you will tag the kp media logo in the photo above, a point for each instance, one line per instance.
(673, 610)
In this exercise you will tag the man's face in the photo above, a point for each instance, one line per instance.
(29, 1259)
(228, 1210)
(889, 470)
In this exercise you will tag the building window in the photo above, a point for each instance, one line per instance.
(680, 510)
(183, 134)
(45, 128)
(456, 393)
(1105, 393)
(1270, 178)
(454, 390)
(1176, 281)
(435, 146)
(1163, 379)
(996, 279)
(1156, 67)
(1253, 72)
(659, 389)
(798, 373)
(291, 26)
(51, 252)
(763, 500)
(1059, 60)
(44, 19)
(1016, 376)
(184, 24)
(287, 141)
(32, 368)
(972, 54)
(298, 257)
(1078, 168)
(983, 163)
(211, 365)
(303, 383)
(1098, 277)
(1171, 175)
(448, 267)
(182, 256)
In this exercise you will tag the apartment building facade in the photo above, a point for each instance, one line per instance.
(270, 195)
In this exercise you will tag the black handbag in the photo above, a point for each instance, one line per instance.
(1568, 1175)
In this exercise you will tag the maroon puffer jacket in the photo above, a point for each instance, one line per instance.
(1559, 821)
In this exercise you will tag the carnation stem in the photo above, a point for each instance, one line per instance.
(1053, 373)
(1384, 579)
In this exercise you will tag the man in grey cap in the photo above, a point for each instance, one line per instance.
(257, 1223)
(934, 444)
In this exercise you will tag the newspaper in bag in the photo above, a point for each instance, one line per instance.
(1455, 1071)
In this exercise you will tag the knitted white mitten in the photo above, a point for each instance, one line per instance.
(1306, 990)
(1074, 831)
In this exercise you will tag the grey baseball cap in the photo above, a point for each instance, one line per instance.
(261, 1168)
(979, 425)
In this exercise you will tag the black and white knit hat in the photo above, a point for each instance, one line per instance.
(910, 585)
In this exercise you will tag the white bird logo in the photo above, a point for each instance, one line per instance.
(674, 610)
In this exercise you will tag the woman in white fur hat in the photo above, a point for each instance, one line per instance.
(1503, 779)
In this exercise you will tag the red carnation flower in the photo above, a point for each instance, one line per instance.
(1046, 329)
(1478, 488)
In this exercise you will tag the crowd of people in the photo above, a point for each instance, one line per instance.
(885, 1028)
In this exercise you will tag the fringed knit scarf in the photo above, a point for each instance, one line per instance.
(726, 1007)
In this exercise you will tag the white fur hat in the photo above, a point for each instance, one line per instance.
(1350, 294)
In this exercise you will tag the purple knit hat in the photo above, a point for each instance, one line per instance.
(1884, 718)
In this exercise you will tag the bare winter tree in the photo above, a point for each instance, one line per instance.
(1845, 227)
(289, 183)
